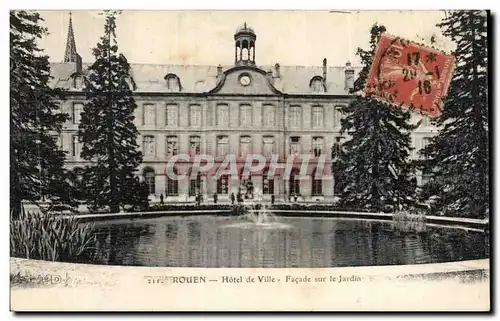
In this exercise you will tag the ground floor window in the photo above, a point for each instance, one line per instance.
(267, 184)
(195, 185)
(172, 187)
(149, 178)
(223, 185)
(317, 185)
(294, 183)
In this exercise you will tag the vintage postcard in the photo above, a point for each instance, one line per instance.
(332, 160)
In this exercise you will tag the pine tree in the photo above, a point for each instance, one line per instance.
(372, 170)
(107, 129)
(456, 160)
(36, 161)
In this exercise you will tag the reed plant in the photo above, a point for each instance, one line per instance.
(405, 221)
(50, 237)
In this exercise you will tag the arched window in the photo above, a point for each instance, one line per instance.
(245, 50)
(316, 84)
(172, 187)
(78, 81)
(267, 183)
(223, 184)
(149, 178)
(173, 82)
(317, 185)
(294, 183)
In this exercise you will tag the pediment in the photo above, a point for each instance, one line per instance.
(245, 80)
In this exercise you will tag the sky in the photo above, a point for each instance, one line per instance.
(206, 37)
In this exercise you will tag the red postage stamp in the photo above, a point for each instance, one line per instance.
(410, 75)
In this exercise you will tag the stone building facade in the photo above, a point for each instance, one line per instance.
(217, 110)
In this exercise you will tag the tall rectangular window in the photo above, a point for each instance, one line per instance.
(245, 145)
(337, 116)
(223, 115)
(295, 116)
(172, 116)
(426, 176)
(317, 146)
(268, 145)
(194, 145)
(317, 185)
(245, 115)
(172, 147)
(425, 142)
(75, 146)
(267, 184)
(195, 185)
(149, 146)
(223, 184)
(222, 146)
(195, 116)
(337, 147)
(149, 114)
(149, 178)
(294, 145)
(426, 121)
(318, 117)
(268, 116)
(172, 187)
(77, 112)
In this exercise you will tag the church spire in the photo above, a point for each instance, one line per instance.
(70, 55)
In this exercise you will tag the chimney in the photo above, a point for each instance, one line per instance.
(324, 71)
(219, 71)
(349, 77)
(277, 70)
(270, 76)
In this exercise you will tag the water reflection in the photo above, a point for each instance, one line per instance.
(306, 242)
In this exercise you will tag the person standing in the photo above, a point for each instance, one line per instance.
(215, 198)
(161, 199)
(232, 198)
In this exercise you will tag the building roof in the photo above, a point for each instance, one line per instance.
(200, 79)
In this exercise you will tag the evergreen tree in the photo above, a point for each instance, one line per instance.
(36, 161)
(372, 169)
(456, 160)
(107, 129)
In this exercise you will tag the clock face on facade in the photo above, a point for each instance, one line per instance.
(245, 80)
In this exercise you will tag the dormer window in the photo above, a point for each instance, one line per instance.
(173, 82)
(316, 84)
(77, 81)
